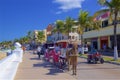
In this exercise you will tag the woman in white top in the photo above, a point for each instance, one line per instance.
(39, 51)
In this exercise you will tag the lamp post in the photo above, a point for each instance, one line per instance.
(105, 2)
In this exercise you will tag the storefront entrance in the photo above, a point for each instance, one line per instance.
(104, 42)
(95, 43)
(112, 42)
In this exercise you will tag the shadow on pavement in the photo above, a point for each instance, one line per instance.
(43, 64)
(53, 70)
(82, 63)
(97, 68)
(34, 58)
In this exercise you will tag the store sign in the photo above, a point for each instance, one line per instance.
(104, 38)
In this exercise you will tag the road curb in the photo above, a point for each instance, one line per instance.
(112, 62)
(105, 61)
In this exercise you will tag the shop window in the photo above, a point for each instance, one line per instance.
(118, 22)
(105, 23)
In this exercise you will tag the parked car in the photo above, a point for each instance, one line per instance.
(95, 57)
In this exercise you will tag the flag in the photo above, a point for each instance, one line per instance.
(102, 16)
(105, 15)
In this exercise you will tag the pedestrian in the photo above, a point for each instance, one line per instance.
(23, 47)
(39, 51)
(57, 48)
(79, 49)
(104, 46)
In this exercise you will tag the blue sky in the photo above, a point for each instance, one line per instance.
(17, 17)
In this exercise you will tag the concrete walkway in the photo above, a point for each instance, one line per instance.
(34, 69)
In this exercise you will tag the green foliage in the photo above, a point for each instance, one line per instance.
(69, 22)
(30, 35)
(6, 44)
(83, 21)
(12, 48)
(106, 58)
(24, 40)
(110, 59)
(59, 26)
(40, 36)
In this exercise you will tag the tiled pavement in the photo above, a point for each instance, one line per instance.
(34, 69)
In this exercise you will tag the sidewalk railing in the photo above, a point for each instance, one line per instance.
(9, 65)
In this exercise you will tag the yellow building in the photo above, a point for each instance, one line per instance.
(105, 36)
(36, 33)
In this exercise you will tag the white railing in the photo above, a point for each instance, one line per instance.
(9, 65)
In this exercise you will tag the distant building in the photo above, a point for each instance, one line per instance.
(36, 33)
(62, 39)
(95, 38)
(49, 32)
(105, 35)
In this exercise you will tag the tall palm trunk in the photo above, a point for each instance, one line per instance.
(82, 44)
(68, 38)
(58, 35)
(115, 37)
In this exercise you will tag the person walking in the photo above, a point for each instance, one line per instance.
(57, 48)
(39, 51)
(104, 46)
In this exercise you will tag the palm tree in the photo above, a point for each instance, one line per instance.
(24, 40)
(85, 21)
(16, 40)
(82, 24)
(69, 22)
(114, 8)
(40, 37)
(30, 35)
(6, 44)
(59, 27)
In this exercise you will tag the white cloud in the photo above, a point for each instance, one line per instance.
(66, 5)
(59, 12)
(105, 7)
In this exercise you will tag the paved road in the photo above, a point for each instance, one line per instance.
(104, 71)
(35, 69)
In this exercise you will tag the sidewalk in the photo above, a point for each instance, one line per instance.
(109, 53)
(34, 69)
(109, 56)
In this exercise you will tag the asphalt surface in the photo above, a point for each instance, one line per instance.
(99, 71)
